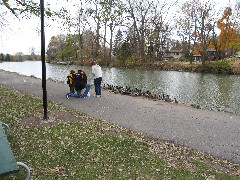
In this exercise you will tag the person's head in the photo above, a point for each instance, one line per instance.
(93, 63)
(79, 71)
(72, 71)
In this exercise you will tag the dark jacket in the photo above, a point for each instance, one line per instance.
(80, 80)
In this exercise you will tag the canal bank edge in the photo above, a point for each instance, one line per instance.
(226, 66)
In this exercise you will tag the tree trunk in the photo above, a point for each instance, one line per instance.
(110, 51)
(96, 52)
(104, 43)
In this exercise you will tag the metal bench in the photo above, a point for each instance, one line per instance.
(8, 164)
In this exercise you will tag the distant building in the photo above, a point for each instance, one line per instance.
(175, 53)
(197, 57)
(211, 54)
(237, 54)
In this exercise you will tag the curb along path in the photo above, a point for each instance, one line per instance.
(215, 133)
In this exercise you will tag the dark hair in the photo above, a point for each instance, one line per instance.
(72, 71)
(93, 63)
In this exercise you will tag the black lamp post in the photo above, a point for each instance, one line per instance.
(43, 60)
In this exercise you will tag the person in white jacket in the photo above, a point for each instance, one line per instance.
(97, 72)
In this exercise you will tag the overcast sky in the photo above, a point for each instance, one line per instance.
(21, 35)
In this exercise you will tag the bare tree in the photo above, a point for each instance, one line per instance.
(139, 12)
(112, 15)
(95, 11)
(161, 27)
(79, 23)
(196, 25)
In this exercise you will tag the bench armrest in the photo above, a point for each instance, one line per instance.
(26, 168)
(7, 128)
(8, 163)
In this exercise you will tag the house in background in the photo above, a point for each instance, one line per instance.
(175, 53)
(211, 54)
(237, 54)
(197, 57)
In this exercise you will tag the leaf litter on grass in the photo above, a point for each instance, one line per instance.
(72, 145)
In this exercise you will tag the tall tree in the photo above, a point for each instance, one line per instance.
(7, 57)
(55, 45)
(77, 24)
(2, 57)
(112, 16)
(139, 12)
(95, 11)
(228, 37)
(196, 25)
(69, 48)
(123, 53)
(89, 44)
(159, 28)
(117, 42)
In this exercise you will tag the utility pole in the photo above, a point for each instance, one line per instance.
(43, 60)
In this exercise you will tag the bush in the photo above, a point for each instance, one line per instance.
(221, 67)
(130, 62)
(182, 59)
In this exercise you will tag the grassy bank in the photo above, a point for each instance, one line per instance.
(226, 66)
(229, 65)
(71, 145)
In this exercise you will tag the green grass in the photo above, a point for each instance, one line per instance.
(94, 149)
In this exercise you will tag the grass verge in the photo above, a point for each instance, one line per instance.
(72, 145)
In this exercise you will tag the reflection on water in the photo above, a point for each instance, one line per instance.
(207, 90)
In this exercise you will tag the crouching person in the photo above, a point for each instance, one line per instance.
(80, 81)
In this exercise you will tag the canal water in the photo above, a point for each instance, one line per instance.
(209, 91)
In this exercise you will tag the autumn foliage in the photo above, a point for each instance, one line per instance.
(228, 37)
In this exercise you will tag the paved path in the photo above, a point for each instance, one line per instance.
(216, 133)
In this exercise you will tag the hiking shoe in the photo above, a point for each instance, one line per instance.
(98, 96)
(67, 95)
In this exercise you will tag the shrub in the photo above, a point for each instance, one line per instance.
(130, 62)
(182, 59)
(221, 67)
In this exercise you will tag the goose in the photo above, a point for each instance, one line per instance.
(168, 99)
(175, 100)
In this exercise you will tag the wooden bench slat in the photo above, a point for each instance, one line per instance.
(8, 163)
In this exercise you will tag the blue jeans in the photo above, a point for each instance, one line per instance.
(78, 94)
(97, 84)
(75, 95)
(87, 89)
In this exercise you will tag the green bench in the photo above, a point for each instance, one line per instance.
(8, 164)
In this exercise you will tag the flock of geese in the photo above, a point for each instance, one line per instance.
(137, 92)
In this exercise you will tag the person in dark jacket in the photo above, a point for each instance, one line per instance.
(80, 81)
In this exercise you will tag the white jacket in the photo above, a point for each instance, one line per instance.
(97, 71)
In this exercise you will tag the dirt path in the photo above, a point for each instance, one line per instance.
(215, 133)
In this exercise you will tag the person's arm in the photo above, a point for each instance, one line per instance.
(85, 79)
(93, 70)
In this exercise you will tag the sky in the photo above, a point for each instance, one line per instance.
(23, 34)
(20, 35)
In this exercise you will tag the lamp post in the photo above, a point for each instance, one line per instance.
(43, 60)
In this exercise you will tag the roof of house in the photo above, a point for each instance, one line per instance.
(175, 50)
(211, 49)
